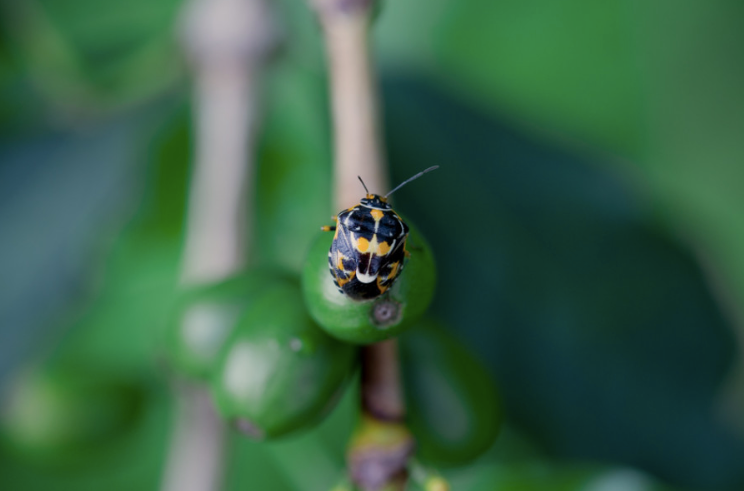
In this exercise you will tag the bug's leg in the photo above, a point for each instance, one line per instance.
(411, 247)
(330, 228)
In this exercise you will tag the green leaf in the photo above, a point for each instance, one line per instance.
(541, 476)
(91, 55)
(598, 325)
(453, 408)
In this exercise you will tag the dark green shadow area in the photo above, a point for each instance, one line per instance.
(597, 323)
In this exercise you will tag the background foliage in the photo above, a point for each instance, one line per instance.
(586, 221)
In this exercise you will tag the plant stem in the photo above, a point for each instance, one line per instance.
(357, 141)
(381, 391)
(196, 449)
(227, 41)
(358, 152)
(218, 215)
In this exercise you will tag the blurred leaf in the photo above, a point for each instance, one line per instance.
(63, 196)
(659, 82)
(117, 334)
(19, 109)
(598, 325)
(540, 477)
(123, 326)
(293, 182)
(63, 415)
(695, 74)
(89, 55)
(130, 461)
(568, 67)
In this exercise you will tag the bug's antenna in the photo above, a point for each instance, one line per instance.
(411, 179)
(365, 187)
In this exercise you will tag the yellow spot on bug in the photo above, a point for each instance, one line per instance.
(382, 248)
(342, 282)
(340, 264)
(394, 271)
(377, 215)
(363, 244)
(380, 286)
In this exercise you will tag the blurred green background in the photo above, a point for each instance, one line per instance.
(586, 220)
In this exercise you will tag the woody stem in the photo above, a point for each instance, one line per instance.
(226, 41)
(358, 152)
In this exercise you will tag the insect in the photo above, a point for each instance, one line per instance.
(368, 252)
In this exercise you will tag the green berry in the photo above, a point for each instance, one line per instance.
(374, 320)
(278, 372)
(62, 415)
(454, 409)
(204, 316)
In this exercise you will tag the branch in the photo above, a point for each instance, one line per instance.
(380, 450)
(382, 393)
(226, 41)
(357, 142)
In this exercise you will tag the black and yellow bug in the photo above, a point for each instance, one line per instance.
(368, 252)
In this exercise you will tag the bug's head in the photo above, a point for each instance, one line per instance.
(380, 202)
(375, 201)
